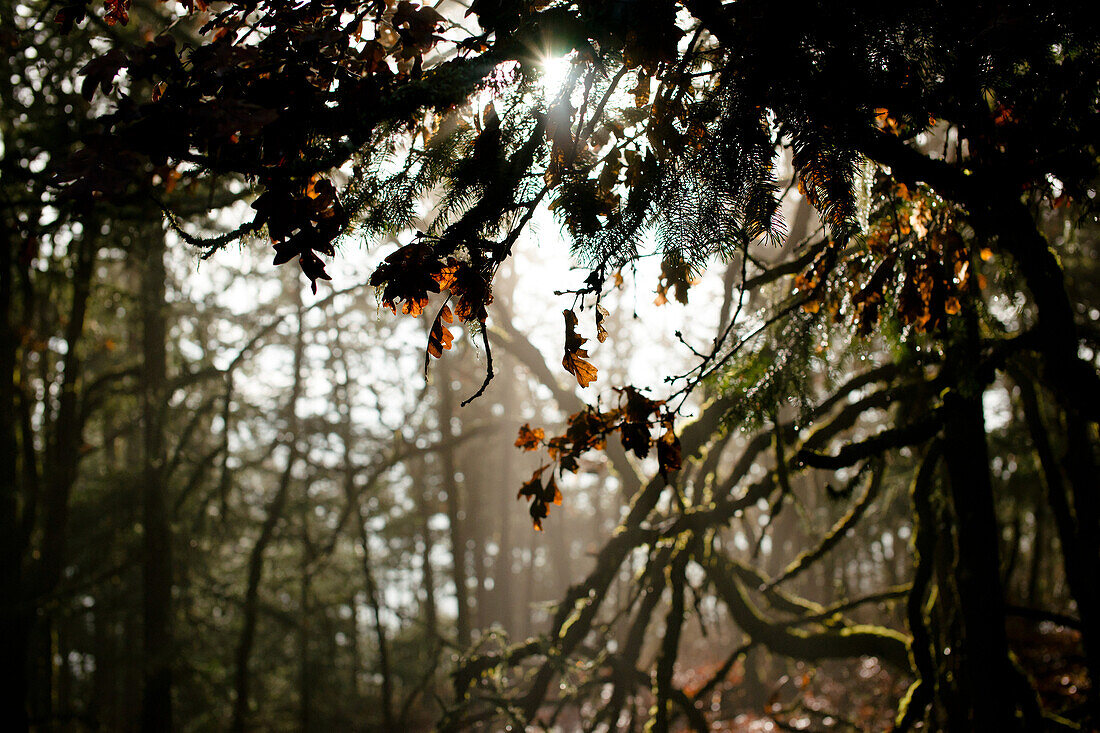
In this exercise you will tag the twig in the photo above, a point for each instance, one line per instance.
(488, 367)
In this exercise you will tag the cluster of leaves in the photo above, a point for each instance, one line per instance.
(636, 419)
(302, 224)
(914, 259)
(279, 93)
(73, 12)
(321, 82)
(409, 276)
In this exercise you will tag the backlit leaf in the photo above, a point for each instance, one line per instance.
(440, 338)
(530, 438)
(601, 316)
(574, 359)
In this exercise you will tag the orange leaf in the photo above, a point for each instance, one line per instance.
(530, 438)
(532, 487)
(584, 371)
(574, 359)
(447, 276)
(440, 338)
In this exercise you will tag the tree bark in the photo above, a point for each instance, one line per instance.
(14, 617)
(427, 508)
(976, 698)
(156, 538)
(305, 662)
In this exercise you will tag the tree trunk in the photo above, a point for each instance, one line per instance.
(427, 509)
(981, 695)
(305, 582)
(63, 439)
(375, 603)
(156, 538)
(67, 427)
(14, 617)
(1074, 539)
(456, 518)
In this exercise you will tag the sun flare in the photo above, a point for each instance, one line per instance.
(555, 73)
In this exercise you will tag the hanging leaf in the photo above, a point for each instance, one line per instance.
(601, 316)
(539, 511)
(540, 496)
(634, 429)
(676, 276)
(551, 494)
(532, 488)
(669, 453)
(440, 338)
(99, 73)
(635, 438)
(574, 359)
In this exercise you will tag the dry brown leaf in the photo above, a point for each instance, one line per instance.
(574, 359)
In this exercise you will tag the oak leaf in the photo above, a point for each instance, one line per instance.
(574, 359)
(634, 428)
(530, 438)
(540, 496)
(532, 487)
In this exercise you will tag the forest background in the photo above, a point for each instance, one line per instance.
(839, 475)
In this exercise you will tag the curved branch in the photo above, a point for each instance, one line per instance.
(780, 638)
(838, 531)
(914, 433)
(920, 693)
